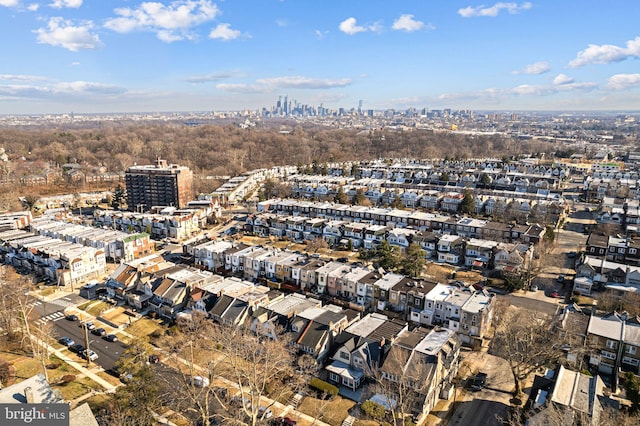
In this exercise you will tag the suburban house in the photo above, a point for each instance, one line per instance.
(426, 361)
(360, 349)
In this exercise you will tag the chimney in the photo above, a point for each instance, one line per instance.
(28, 394)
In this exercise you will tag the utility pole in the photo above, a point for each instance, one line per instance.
(85, 331)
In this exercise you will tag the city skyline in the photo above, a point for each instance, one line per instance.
(78, 56)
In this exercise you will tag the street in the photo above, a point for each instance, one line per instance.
(53, 312)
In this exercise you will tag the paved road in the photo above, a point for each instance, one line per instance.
(534, 303)
(108, 352)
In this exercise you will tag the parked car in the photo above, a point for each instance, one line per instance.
(154, 359)
(560, 278)
(110, 338)
(479, 381)
(88, 325)
(89, 354)
(199, 381)
(77, 348)
(572, 255)
(284, 421)
(71, 317)
(99, 331)
(554, 293)
(67, 341)
(264, 412)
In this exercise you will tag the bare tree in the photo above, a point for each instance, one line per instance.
(263, 370)
(316, 244)
(405, 381)
(524, 339)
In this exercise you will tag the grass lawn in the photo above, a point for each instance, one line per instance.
(47, 291)
(94, 307)
(77, 388)
(332, 412)
(144, 327)
(26, 367)
(97, 402)
(109, 378)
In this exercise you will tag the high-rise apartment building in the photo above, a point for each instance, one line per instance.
(160, 184)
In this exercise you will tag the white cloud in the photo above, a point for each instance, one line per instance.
(540, 67)
(282, 23)
(297, 82)
(320, 34)
(224, 32)
(211, 77)
(623, 81)
(33, 7)
(562, 79)
(511, 8)
(349, 26)
(606, 53)
(267, 85)
(407, 23)
(170, 22)
(60, 4)
(64, 33)
(495, 94)
(19, 77)
(59, 90)
(9, 3)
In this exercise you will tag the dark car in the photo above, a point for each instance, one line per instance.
(284, 421)
(572, 255)
(67, 341)
(77, 348)
(154, 359)
(110, 338)
(99, 331)
(479, 381)
(71, 318)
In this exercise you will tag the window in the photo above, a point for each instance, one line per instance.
(632, 251)
(608, 355)
(344, 355)
(611, 344)
(631, 350)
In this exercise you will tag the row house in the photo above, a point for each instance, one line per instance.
(313, 330)
(175, 224)
(479, 253)
(57, 260)
(425, 361)
(360, 349)
(211, 255)
(338, 215)
(374, 235)
(117, 245)
(171, 290)
(450, 249)
(512, 258)
(15, 220)
(614, 248)
(464, 310)
(616, 339)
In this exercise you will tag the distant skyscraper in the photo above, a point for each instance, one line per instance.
(160, 184)
(360, 106)
(286, 105)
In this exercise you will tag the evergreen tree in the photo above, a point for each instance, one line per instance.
(414, 260)
(468, 204)
(119, 197)
(387, 256)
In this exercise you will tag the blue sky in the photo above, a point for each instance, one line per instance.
(84, 56)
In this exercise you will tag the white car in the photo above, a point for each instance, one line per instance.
(264, 411)
(199, 381)
(90, 354)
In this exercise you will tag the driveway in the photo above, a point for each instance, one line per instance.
(488, 405)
